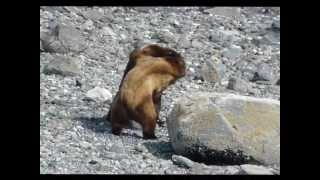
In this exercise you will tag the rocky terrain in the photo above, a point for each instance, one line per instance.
(84, 51)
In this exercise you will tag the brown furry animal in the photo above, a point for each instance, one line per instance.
(155, 68)
(136, 57)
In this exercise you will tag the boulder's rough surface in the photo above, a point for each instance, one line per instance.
(226, 128)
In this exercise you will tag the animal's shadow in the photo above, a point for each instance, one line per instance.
(95, 124)
(161, 149)
(101, 125)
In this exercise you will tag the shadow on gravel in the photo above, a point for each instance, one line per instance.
(95, 124)
(160, 149)
(100, 125)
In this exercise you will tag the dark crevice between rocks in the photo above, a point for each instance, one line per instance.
(221, 158)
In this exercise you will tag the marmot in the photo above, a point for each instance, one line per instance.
(149, 71)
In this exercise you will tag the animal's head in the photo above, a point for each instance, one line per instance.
(168, 54)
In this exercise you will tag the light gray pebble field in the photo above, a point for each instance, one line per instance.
(83, 54)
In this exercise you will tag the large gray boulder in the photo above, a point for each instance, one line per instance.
(219, 128)
(63, 65)
(63, 39)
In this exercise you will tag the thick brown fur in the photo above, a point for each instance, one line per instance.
(149, 71)
(137, 56)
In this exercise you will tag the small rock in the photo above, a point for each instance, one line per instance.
(214, 170)
(210, 72)
(115, 156)
(278, 82)
(93, 14)
(78, 83)
(93, 162)
(254, 169)
(232, 52)
(140, 148)
(41, 47)
(276, 25)
(264, 73)
(117, 149)
(196, 44)
(108, 31)
(237, 84)
(99, 94)
(62, 65)
(182, 161)
(231, 12)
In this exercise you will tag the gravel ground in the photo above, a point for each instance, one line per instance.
(74, 138)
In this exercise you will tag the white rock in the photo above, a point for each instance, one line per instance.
(254, 169)
(99, 94)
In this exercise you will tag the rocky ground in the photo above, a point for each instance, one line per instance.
(234, 50)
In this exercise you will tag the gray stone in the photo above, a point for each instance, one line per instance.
(231, 12)
(165, 36)
(117, 148)
(254, 169)
(196, 43)
(62, 39)
(278, 82)
(224, 35)
(238, 84)
(93, 14)
(226, 128)
(232, 52)
(71, 38)
(41, 47)
(62, 65)
(212, 71)
(214, 170)
(99, 94)
(140, 148)
(182, 161)
(114, 156)
(264, 72)
(276, 25)
(108, 31)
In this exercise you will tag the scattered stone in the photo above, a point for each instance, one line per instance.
(99, 94)
(214, 170)
(93, 162)
(237, 84)
(62, 65)
(182, 161)
(210, 72)
(115, 156)
(78, 83)
(264, 73)
(74, 132)
(63, 39)
(226, 129)
(117, 149)
(93, 15)
(278, 82)
(140, 148)
(231, 12)
(257, 170)
(232, 52)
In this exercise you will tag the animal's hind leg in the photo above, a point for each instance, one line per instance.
(157, 104)
(147, 117)
(119, 120)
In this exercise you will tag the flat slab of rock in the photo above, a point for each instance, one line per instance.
(254, 169)
(98, 94)
(220, 128)
(63, 39)
(62, 65)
